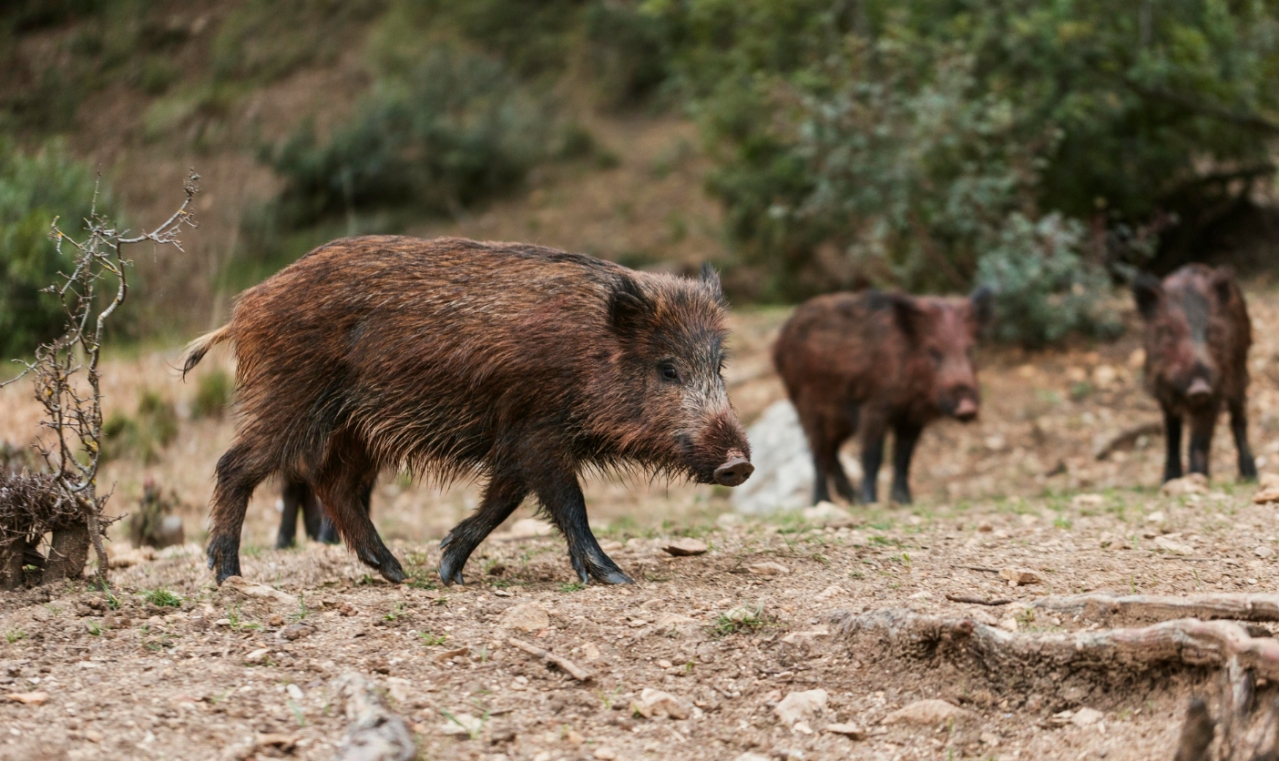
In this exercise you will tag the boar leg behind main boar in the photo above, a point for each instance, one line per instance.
(1202, 423)
(294, 497)
(502, 495)
(826, 465)
(1239, 427)
(341, 482)
(240, 469)
(872, 432)
(905, 436)
(1172, 442)
(561, 497)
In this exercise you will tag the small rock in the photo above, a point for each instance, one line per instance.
(796, 638)
(28, 698)
(605, 753)
(829, 514)
(294, 691)
(1020, 576)
(590, 652)
(527, 617)
(829, 592)
(801, 705)
(851, 731)
(449, 655)
(1263, 552)
(1175, 547)
(295, 631)
(257, 657)
(1086, 717)
(685, 546)
(653, 704)
(928, 713)
(461, 725)
(1156, 517)
(985, 527)
(1195, 483)
(989, 738)
(768, 568)
(276, 620)
(1266, 496)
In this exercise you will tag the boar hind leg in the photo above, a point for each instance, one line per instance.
(328, 533)
(1172, 441)
(294, 497)
(905, 436)
(873, 430)
(502, 495)
(340, 484)
(239, 472)
(824, 439)
(562, 499)
(1239, 427)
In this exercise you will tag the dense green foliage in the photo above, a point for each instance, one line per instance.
(34, 189)
(905, 142)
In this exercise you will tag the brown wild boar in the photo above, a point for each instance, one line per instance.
(866, 363)
(1197, 339)
(299, 496)
(521, 364)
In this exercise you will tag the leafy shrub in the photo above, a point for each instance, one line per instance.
(34, 189)
(453, 131)
(143, 436)
(212, 394)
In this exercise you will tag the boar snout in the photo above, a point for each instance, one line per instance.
(1198, 391)
(734, 472)
(966, 410)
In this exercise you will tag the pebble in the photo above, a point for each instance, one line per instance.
(1175, 547)
(768, 568)
(1017, 577)
(605, 753)
(851, 731)
(257, 657)
(1195, 483)
(28, 698)
(1263, 552)
(1086, 717)
(801, 705)
(928, 713)
(656, 704)
(294, 691)
(526, 617)
(752, 757)
(685, 546)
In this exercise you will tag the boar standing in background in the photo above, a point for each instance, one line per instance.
(298, 495)
(867, 363)
(520, 363)
(1197, 339)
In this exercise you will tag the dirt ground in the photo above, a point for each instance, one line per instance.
(729, 633)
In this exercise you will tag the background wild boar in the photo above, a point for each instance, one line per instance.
(866, 363)
(1197, 339)
(450, 357)
(299, 497)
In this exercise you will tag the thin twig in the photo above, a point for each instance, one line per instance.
(976, 600)
(574, 670)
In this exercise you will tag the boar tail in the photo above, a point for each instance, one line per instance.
(200, 346)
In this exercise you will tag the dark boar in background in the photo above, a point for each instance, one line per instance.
(449, 357)
(872, 362)
(1197, 339)
(298, 496)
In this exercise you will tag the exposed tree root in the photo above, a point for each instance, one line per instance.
(1102, 607)
(1126, 438)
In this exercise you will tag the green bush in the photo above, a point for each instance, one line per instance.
(212, 394)
(454, 131)
(144, 435)
(264, 40)
(34, 189)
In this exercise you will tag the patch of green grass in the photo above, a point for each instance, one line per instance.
(162, 598)
(14, 636)
(740, 620)
(397, 611)
(430, 639)
(94, 629)
(575, 586)
(417, 583)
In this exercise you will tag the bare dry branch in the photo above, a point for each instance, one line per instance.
(569, 667)
(1127, 437)
(1133, 608)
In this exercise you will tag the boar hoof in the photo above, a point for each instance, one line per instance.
(602, 570)
(224, 559)
(613, 576)
(451, 571)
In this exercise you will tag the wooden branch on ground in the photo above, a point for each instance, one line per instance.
(1127, 437)
(574, 670)
(1229, 606)
(1186, 642)
(976, 600)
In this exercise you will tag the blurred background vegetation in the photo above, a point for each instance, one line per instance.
(1045, 149)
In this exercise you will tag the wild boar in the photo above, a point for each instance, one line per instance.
(866, 363)
(520, 364)
(1197, 338)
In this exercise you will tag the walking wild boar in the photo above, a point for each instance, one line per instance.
(1197, 339)
(866, 363)
(517, 363)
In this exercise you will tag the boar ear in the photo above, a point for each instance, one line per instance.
(1223, 284)
(982, 301)
(908, 314)
(628, 308)
(1147, 290)
(710, 278)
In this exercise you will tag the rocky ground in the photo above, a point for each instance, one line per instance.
(732, 651)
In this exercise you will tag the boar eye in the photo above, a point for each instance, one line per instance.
(669, 372)
(936, 355)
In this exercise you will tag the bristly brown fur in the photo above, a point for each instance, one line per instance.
(452, 357)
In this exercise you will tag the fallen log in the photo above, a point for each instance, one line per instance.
(1228, 606)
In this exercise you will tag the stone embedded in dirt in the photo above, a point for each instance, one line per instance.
(589, 652)
(1195, 483)
(257, 657)
(851, 731)
(1170, 545)
(801, 705)
(989, 738)
(449, 655)
(28, 698)
(829, 592)
(236, 590)
(928, 713)
(129, 557)
(605, 753)
(653, 704)
(804, 638)
(1156, 517)
(527, 617)
(829, 514)
(685, 546)
(1017, 577)
(462, 725)
(1266, 495)
(296, 631)
(768, 568)
(374, 733)
(1263, 552)
(1086, 717)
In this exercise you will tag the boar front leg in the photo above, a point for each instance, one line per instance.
(1239, 427)
(562, 499)
(1172, 442)
(905, 436)
(873, 429)
(340, 483)
(503, 494)
(1202, 423)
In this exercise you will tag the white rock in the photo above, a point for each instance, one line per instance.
(462, 725)
(783, 477)
(1195, 483)
(257, 657)
(605, 753)
(527, 617)
(829, 514)
(1086, 717)
(829, 592)
(1156, 517)
(653, 704)
(1263, 552)
(801, 705)
(1175, 547)
(928, 713)
(768, 568)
